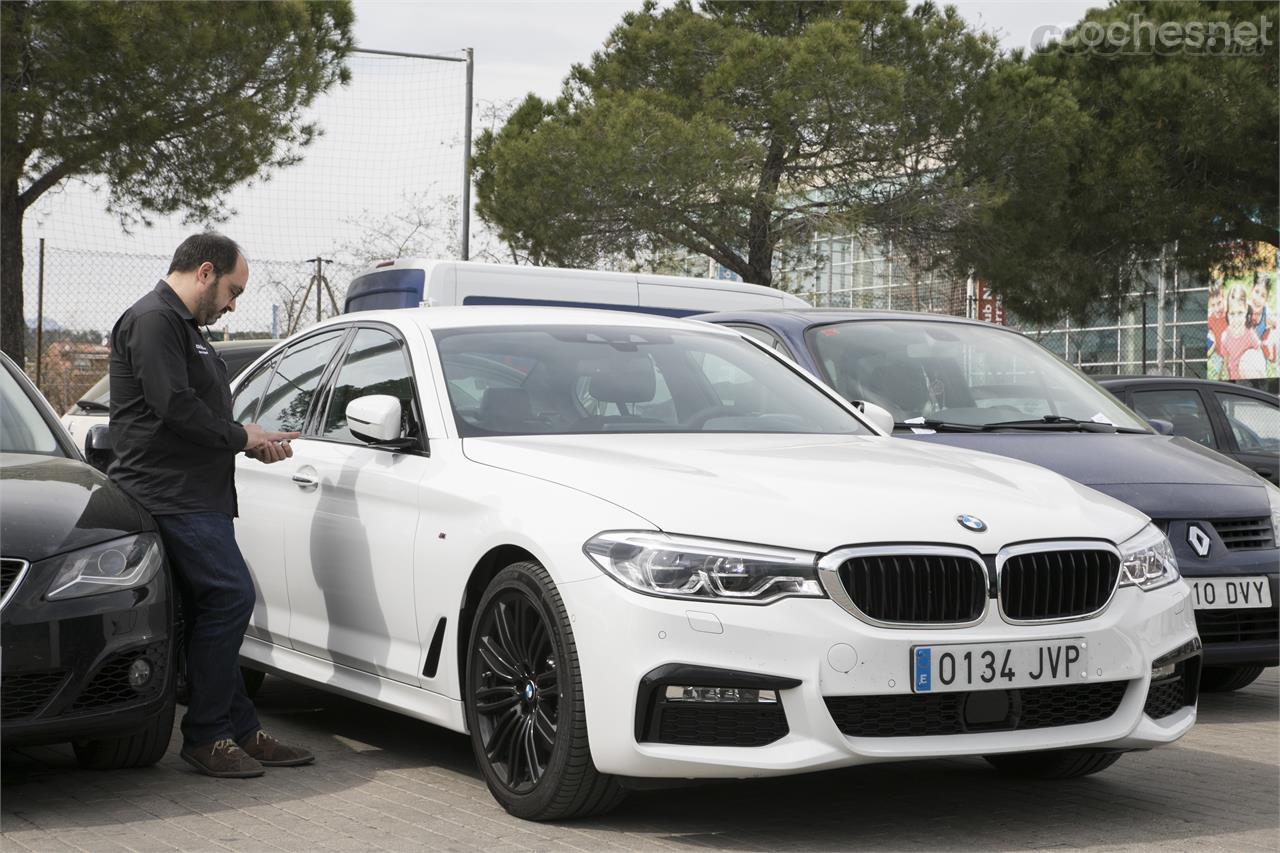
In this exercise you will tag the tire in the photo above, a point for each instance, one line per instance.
(139, 749)
(252, 680)
(1224, 679)
(1053, 764)
(523, 702)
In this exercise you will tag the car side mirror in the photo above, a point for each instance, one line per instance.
(374, 418)
(878, 415)
(1161, 426)
(97, 447)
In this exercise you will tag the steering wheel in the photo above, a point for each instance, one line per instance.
(699, 418)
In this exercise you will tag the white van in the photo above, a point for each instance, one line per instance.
(409, 282)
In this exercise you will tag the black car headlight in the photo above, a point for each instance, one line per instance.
(1147, 561)
(704, 569)
(106, 567)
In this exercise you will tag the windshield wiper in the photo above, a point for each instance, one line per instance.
(1059, 423)
(93, 406)
(936, 425)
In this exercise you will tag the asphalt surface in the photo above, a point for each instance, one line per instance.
(385, 782)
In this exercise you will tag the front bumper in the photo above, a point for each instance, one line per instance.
(1242, 636)
(64, 673)
(843, 667)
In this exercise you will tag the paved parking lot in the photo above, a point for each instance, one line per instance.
(385, 782)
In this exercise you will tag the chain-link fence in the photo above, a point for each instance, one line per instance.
(80, 294)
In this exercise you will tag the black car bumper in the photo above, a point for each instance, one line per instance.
(1243, 636)
(69, 669)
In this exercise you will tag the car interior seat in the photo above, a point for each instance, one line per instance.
(900, 386)
(624, 381)
(505, 409)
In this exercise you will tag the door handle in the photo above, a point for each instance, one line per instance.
(306, 478)
(1264, 472)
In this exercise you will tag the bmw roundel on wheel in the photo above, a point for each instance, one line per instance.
(614, 547)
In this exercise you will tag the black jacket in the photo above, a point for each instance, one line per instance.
(171, 428)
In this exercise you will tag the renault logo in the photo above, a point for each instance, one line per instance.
(1198, 540)
(970, 522)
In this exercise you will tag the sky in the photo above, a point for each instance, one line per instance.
(523, 47)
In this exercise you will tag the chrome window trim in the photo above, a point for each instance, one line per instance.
(1048, 546)
(829, 577)
(17, 581)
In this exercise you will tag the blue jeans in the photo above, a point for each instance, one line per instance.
(217, 596)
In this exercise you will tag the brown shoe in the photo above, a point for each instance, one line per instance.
(270, 752)
(223, 759)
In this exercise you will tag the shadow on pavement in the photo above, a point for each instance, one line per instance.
(1168, 796)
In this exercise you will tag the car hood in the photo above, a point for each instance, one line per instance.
(1163, 476)
(51, 505)
(814, 492)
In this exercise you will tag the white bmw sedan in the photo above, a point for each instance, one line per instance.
(615, 547)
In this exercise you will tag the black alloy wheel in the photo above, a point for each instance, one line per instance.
(516, 692)
(523, 702)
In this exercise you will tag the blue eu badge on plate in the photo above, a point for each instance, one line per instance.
(923, 670)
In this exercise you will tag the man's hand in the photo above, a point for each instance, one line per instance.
(272, 451)
(256, 437)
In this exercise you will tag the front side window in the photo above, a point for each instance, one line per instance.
(958, 373)
(376, 363)
(764, 336)
(1181, 407)
(1255, 424)
(288, 398)
(587, 379)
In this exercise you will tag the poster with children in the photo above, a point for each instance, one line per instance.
(1244, 306)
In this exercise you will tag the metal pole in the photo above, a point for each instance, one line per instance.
(466, 163)
(40, 314)
(411, 55)
(1160, 316)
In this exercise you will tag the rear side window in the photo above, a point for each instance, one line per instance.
(1181, 407)
(296, 380)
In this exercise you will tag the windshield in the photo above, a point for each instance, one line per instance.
(22, 429)
(958, 373)
(576, 379)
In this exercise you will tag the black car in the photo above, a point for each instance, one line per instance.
(1235, 420)
(948, 380)
(87, 606)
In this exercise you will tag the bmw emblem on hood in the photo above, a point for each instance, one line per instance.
(972, 522)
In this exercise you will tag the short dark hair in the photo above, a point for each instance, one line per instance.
(210, 246)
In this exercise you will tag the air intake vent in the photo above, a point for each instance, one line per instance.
(1245, 533)
(1047, 585)
(916, 588)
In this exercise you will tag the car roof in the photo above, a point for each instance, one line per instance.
(804, 317)
(482, 316)
(1131, 381)
(262, 344)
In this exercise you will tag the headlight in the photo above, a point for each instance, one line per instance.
(118, 564)
(1147, 561)
(1273, 497)
(704, 569)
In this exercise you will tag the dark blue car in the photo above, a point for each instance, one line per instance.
(960, 382)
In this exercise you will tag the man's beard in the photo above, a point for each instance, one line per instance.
(207, 311)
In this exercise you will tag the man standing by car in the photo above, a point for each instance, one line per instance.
(175, 445)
